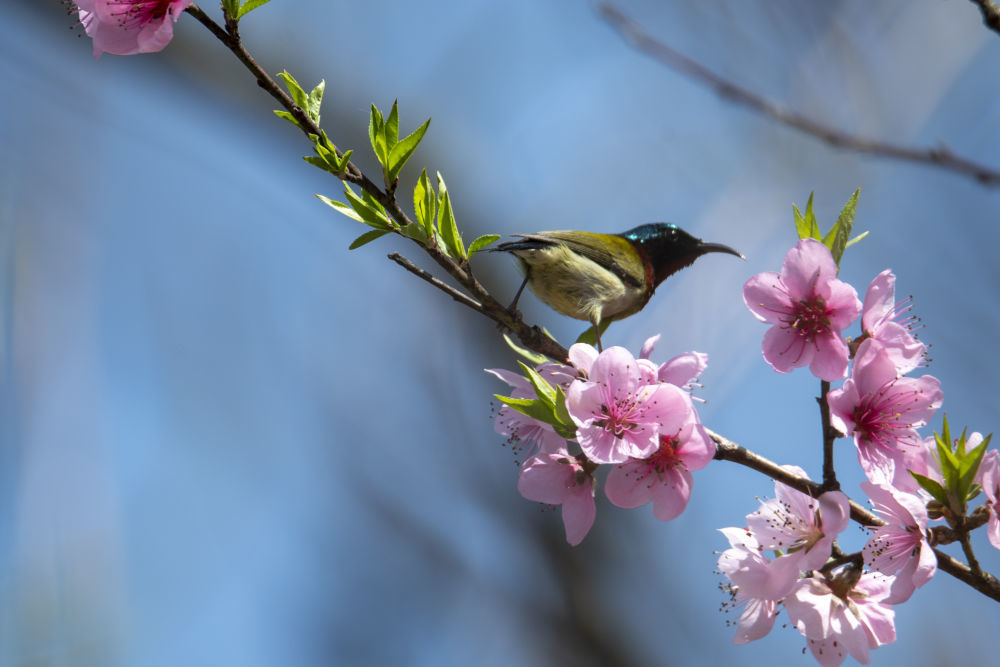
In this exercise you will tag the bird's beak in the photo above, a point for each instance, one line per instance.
(705, 248)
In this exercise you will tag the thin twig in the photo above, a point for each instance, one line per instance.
(991, 14)
(461, 297)
(940, 157)
(727, 450)
(829, 436)
(985, 583)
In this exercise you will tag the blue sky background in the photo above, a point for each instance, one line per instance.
(226, 439)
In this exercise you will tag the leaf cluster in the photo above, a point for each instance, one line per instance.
(838, 237)
(958, 470)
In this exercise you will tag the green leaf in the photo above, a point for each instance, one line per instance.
(391, 127)
(533, 357)
(319, 162)
(856, 239)
(801, 226)
(811, 220)
(532, 407)
(932, 487)
(415, 232)
(295, 90)
(446, 222)
(402, 150)
(424, 203)
(377, 136)
(562, 412)
(357, 210)
(340, 207)
(374, 204)
(344, 161)
(543, 389)
(231, 7)
(370, 214)
(841, 231)
(367, 237)
(968, 470)
(315, 100)
(249, 6)
(482, 242)
(281, 113)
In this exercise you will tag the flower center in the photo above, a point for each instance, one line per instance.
(622, 415)
(809, 318)
(666, 457)
(134, 14)
(880, 417)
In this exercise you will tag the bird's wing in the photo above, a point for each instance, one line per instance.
(608, 250)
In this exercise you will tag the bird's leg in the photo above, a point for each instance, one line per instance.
(513, 304)
(597, 335)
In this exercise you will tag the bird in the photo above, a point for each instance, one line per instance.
(600, 278)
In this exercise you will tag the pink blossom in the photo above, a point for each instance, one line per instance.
(664, 478)
(808, 307)
(887, 321)
(798, 525)
(922, 460)
(990, 480)
(757, 583)
(128, 27)
(525, 433)
(582, 357)
(560, 479)
(683, 370)
(900, 545)
(618, 414)
(883, 411)
(842, 614)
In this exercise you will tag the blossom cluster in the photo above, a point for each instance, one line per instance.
(630, 415)
(841, 608)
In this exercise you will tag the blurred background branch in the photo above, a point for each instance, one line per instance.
(941, 156)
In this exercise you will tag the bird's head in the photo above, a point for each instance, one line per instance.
(669, 248)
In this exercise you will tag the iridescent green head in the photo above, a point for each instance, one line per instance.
(668, 248)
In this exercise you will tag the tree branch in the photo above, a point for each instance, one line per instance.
(532, 336)
(830, 482)
(727, 450)
(461, 297)
(940, 157)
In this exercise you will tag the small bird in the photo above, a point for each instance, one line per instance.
(604, 277)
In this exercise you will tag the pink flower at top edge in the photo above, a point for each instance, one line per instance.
(901, 545)
(886, 320)
(883, 411)
(798, 525)
(808, 308)
(617, 413)
(664, 478)
(757, 584)
(557, 478)
(990, 480)
(845, 614)
(128, 27)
